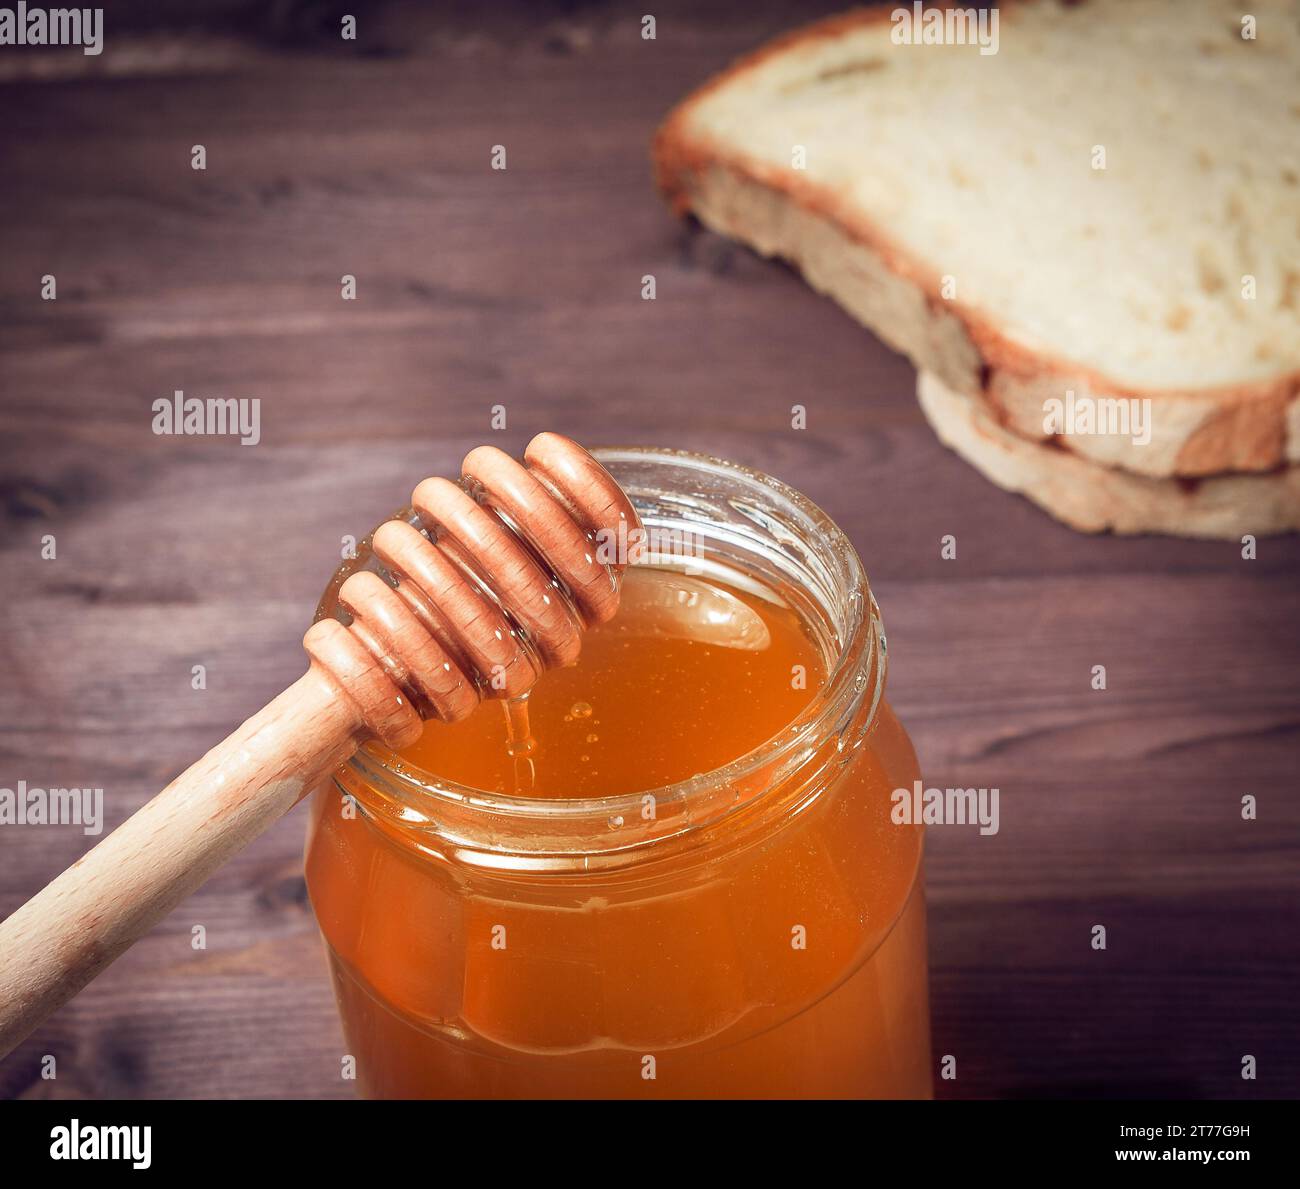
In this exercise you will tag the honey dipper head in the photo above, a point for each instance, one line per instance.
(517, 560)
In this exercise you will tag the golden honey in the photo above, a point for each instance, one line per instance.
(671, 871)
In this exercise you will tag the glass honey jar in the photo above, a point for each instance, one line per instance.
(671, 870)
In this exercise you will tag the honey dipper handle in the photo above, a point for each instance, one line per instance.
(66, 934)
(373, 677)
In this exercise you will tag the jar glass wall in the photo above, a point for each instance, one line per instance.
(755, 930)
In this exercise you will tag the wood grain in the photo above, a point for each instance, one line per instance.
(1119, 807)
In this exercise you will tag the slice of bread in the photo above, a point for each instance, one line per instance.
(1095, 498)
(950, 200)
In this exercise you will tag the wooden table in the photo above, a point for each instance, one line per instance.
(522, 288)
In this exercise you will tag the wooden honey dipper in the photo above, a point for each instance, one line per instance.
(436, 643)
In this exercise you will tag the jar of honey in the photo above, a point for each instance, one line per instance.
(671, 870)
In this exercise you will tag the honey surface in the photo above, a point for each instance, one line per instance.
(691, 674)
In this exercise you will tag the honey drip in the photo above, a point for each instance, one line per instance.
(520, 744)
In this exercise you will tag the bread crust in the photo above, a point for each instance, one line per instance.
(1248, 427)
(1093, 498)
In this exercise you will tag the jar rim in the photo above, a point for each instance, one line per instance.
(832, 706)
